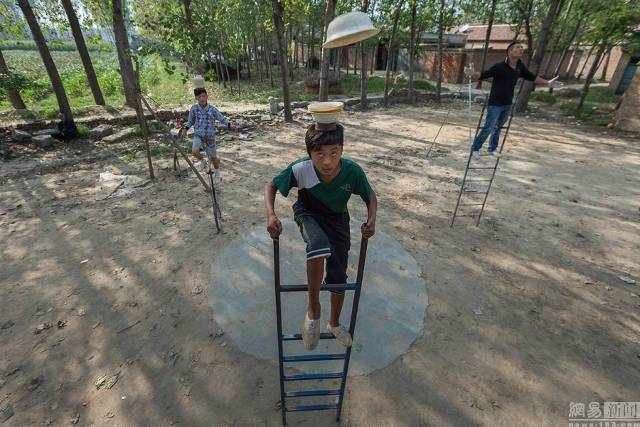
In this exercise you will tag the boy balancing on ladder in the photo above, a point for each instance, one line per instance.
(203, 117)
(325, 182)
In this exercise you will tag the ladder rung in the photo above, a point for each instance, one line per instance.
(314, 357)
(473, 191)
(483, 168)
(471, 204)
(297, 337)
(477, 180)
(322, 407)
(304, 288)
(321, 376)
(307, 393)
(470, 215)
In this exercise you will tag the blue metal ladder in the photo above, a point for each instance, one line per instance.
(346, 356)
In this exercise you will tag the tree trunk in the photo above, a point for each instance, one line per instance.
(189, 25)
(523, 98)
(557, 41)
(124, 54)
(256, 56)
(264, 51)
(592, 72)
(248, 60)
(485, 49)
(219, 73)
(355, 59)
(396, 16)
(566, 49)
(83, 51)
(374, 57)
(603, 76)
(585, 61)
(52, 71)
(282, 53)
(440, 37)
(324, 64)
(346, 55)
(628, 114)
(312, 37)
(412, 49)
(295, 49)
(270, 60)
(142, 120)
(221, 66)
(14, 95)
(364, 77)
(238, 72)
(527, 31)
(302, 58)
(288, 42)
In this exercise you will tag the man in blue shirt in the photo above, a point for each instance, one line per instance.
(505, 76)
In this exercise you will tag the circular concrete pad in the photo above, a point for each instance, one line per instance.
(392, 308)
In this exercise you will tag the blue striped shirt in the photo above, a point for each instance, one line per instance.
(203, 119)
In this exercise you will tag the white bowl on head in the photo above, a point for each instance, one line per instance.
(325, 112)
(198, 81)
(349, 28)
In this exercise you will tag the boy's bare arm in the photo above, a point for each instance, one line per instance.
(369, 229)
(274, 226)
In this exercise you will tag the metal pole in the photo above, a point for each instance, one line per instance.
(352, 323)
(276, 282)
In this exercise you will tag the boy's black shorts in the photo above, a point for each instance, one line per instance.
(327, 236)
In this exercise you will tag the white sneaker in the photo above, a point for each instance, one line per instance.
(495, 154)
(476, 155)
(341, 333)
(216, 176)
(310, 332)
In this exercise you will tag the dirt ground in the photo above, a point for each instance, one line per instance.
(526, 314)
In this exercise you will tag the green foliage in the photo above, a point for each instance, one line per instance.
(614, 22)
(13, 25)
(110, 81)
(13, 80)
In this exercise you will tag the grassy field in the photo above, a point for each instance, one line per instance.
(165, 88)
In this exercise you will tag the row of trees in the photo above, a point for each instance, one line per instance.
(218, 34)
